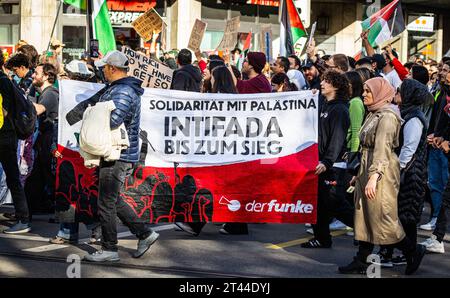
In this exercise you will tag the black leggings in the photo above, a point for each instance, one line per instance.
(332, 203)
(366, 248)
(411, 233)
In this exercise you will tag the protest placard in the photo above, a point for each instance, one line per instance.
(147, 24)
(152, 73)
(311, 35)
(229, 39)
(197, 35)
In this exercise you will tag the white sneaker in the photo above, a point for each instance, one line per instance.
(310, 231)
(337, 225)
(433, 245)
(428, 242)
(308, 225)
(430, 225)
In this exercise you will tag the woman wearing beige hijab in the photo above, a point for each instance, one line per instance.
(378, 181)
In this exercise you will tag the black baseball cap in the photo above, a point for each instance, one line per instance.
(364, 60)
(380, 60)
(307, 64)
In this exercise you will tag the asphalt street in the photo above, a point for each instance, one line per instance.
(270, 250)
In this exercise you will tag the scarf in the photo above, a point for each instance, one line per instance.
(382, 93)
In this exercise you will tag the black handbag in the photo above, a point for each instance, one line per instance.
(353, 160)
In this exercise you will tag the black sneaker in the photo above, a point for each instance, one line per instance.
(355, 267)
(7, 217)
(414, 262)
(385, 262)
(314, 243)
(399, 260)
(186, 228)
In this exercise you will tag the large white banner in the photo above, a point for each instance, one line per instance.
(248, 158)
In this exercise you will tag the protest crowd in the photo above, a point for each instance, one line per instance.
(383, 139)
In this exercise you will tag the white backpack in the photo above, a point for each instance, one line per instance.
(95, 134)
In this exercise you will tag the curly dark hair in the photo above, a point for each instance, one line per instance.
(32, 54)
(338, 81)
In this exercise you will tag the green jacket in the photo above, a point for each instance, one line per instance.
(357, 113)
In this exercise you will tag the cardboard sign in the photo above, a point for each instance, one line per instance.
(147, 24)
(229, 39)
(197, 35)
(266, 41)
(152, 73)
(311, 35)
(164, 37)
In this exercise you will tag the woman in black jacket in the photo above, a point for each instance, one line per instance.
(412, 155)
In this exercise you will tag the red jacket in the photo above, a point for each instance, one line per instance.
(400, 69)
(202, 64)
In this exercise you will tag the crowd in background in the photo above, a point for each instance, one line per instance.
(383, 139)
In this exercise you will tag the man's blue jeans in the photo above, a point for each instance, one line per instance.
(437, 177)
(69, 231)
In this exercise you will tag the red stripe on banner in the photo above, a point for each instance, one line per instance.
(282, 190)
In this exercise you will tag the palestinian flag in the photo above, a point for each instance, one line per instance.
(102, 25)
(245, 50)
(291, 29)
(385, 24)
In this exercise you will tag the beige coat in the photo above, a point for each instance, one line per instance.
(376, 221)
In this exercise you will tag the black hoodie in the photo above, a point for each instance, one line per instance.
(6, 91)
(334, 122)
(187, 78)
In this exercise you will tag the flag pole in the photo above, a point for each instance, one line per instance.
(54, 23)
(90, 28)
(393, 22)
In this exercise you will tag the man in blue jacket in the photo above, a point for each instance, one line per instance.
(126, 93)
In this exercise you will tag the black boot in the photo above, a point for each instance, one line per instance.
(414, 260)
(355, 267)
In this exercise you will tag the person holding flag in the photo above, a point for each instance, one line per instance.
(244, 52)
(384, 24)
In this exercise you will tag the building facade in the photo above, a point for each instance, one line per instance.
(338, 23)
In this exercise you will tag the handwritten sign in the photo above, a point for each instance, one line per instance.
(147, 24)
(229, 39)
(152, 73)
(197, 35)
